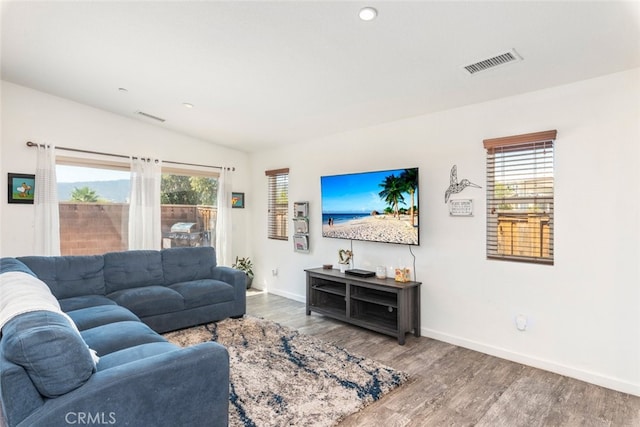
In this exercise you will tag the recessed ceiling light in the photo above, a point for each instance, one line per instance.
(368, 13)
(187, 105)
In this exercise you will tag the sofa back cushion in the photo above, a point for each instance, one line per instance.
(12, 264)
(132, 269)
(69, 276)
(186, 264)
(51, 351)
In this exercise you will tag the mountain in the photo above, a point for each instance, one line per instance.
(116, 191)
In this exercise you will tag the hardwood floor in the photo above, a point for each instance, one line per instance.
(453, 386)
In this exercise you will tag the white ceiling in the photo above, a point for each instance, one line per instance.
(268, 73)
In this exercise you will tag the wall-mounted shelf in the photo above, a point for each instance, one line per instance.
(301, 227)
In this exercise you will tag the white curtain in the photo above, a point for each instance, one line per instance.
(45, 199)
(223, 219)
(144, 206)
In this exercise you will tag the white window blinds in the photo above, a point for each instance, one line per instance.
(520, 181)
(278, 203)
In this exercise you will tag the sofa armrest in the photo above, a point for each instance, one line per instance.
(237, 279)
(19, 395)
(230, 275)
(189, 386)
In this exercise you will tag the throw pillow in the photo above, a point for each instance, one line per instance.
(54, 355)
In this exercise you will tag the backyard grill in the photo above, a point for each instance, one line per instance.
(184, 227)
(182, 234)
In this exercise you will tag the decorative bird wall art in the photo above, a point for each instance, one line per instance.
(455, 186)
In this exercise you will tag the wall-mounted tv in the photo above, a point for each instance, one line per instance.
(380, 206)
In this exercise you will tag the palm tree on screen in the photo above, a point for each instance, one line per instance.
(410, 183)
(392, 189)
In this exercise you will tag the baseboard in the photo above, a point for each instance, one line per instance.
(547, 365)
(295, 297)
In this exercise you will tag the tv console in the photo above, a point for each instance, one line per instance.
(382, 305)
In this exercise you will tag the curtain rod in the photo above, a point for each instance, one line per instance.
(77, 150)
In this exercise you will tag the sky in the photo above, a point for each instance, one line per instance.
(79, 174)
(356, 193)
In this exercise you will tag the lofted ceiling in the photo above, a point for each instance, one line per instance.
(270, 73)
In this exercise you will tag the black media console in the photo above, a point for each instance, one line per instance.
(382, 305)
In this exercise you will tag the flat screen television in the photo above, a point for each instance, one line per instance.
(378, 206)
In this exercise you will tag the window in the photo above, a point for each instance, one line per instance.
(94, 206)
(278, 203)
(520, 197)
(188, 210)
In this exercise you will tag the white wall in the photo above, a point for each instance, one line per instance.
(584, 316)
(29, 115)
(583, 312)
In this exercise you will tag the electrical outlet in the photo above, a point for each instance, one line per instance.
(521, 322)
(274, 272)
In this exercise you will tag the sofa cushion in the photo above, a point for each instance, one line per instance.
(204, 292)
(12, 264)
(132, 269)
(90, 317)
(134, 353)
(69, 276)
(76, 303)
(106, 339)
(51, 351)
(185, 264)
(149, 301)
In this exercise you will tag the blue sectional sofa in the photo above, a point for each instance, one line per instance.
(115, 305)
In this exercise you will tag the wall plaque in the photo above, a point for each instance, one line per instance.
(461, 207)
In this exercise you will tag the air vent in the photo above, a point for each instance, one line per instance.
(496, 61)
(150, 116)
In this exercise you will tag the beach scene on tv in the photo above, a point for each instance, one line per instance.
(376, 206)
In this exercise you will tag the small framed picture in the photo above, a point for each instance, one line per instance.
(301, 225)
(301, 209)
(301, 243)
(21, 188)
(237, 200)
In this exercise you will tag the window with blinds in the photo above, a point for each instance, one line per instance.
(278, 203)
(520, 197)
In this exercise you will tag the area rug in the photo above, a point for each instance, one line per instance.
(280, 377)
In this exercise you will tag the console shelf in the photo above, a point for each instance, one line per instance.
(382, 305)
(331, 288)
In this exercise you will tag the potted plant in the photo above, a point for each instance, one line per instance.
(245, 264)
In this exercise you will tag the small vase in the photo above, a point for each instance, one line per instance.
(343, 268)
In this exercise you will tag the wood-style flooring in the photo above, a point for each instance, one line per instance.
(453, 386)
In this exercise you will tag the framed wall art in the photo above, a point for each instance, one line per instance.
(21, 188)
(237, 200)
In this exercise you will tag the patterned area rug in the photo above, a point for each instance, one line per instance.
(280, 377)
